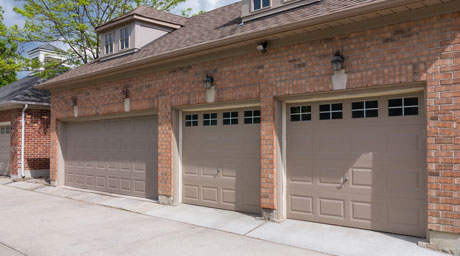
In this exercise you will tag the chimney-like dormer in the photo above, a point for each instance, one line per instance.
(255, 9)
(131, 31)
(45, 52)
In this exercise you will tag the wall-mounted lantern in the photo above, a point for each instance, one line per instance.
(73, 101)
(125, 92)
(339, 79)
(262, 47)
(75, 106)
(337, 61)
(208, 81)
(126, 100)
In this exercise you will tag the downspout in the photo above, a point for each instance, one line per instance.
(22, 139)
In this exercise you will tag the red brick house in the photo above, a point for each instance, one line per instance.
(24, 149)
(339, 112)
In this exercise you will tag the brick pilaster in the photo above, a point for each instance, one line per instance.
(267, 143)
(165, 139)
(443, 130)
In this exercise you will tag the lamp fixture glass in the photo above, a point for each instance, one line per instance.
(208, 81)
(337, 61)
(262, 47)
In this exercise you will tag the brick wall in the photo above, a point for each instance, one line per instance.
(37, 139)
(425, 50)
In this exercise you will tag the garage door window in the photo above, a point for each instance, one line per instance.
(5, 130)
(191, 120)
(365, 109)
(210, 119)
(300, 113)
(403, 107)
(230, 118)
(252, 117)
(330, 111)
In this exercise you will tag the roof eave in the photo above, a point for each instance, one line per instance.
(229, 40)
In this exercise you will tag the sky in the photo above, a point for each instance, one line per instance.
(12, 18)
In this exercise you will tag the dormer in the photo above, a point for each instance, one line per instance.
(255, 9)
(45, 53)
(131, 31)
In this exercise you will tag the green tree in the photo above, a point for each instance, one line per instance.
(73, 22)
(10, 60)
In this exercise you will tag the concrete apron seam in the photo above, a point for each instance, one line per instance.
(12, 248)
(256, 227)
(28, 189)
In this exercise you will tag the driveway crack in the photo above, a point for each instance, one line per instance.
(12, 248)
(256, 227)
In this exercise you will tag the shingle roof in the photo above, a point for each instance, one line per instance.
(46, 46)
(23, 91)
(152, 13)
(218, 24)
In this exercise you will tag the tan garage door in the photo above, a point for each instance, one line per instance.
(358, 163)
(221, 159)
(117, 156)
(5, 150)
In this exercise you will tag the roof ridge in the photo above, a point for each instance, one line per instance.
(164, 11)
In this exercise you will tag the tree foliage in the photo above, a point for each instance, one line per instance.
(10, 62)
(73, 22)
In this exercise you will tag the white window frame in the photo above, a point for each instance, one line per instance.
(231, 118)
(261, 5)
(108, 46)
(252, 116)
(364, 109)
(403, 106)
(192, 120)
(125, 39)
(300, 114)
(330, 111)
(210, 119)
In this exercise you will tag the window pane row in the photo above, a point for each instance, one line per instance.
(300, 113)
(330, 111)
(365, 109)
(228, 118)
(361, 109)
(5, 130)
(252, 117)
(403, 107)
(258, 4)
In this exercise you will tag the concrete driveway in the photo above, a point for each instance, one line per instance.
(42, 220)
(34, 223)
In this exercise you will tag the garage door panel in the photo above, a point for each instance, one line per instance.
(89, 180)
(301, 204)
(191, 192)
(228, 196)
(221, 164)
(210, 194)
(113, 164)
(331, 208)
(361, 178)
(366, 173)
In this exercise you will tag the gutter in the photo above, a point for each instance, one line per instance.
(22, 139)
(230, 40)
(30, 103)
